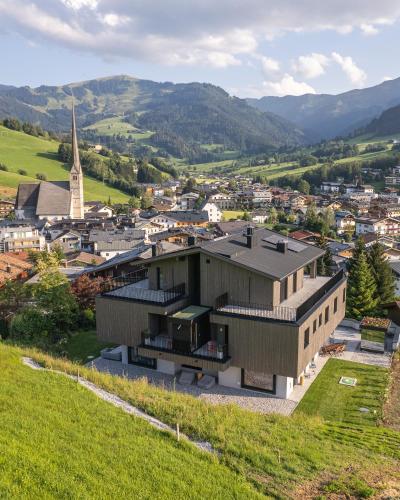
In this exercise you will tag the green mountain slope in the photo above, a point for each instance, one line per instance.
(196, 114)
(333, 115)
(387, 124)
(35, 155)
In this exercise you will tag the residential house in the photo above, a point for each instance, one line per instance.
(14, 266)
(248, 309)
(345, 222)
(223, 201)
(69, 241)
(387, 225)
(189, 200)
(17, 237)
(6, 207)
(196, 218)
(213, 211)
(330, 187)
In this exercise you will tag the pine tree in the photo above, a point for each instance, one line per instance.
(361, 287)
(324, 263)
(384, 279)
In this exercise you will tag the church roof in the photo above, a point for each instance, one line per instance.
(54, 198)
(27, 195)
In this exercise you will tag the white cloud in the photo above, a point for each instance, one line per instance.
(356, 75)
(269, 65)
(206, 32)
(311, 66)
(287, 85)
(79, 4)
(369, 29)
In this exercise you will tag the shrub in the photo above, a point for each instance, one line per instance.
(3, 167)
(31, 325)
(87, 318)
(22, 171)
(41, 177)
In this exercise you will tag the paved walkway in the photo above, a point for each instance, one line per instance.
(352, 338)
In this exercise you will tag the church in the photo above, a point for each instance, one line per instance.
(54, 200)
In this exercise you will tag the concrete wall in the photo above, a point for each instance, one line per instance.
(168, 367)
(232, 377)
(284, 386)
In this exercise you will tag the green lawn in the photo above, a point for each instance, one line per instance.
(232, 214)
(59, 441)
(277, 454)
(35, 155)
(339, 403)
(373, 335)
(83, 346)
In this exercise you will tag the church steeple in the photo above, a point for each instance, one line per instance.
(76, 175)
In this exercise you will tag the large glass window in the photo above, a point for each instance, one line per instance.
(259, 381)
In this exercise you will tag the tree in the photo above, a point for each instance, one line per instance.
(134, 202)
(246, 216)
(32, 325)
(85, 290)
(324, 263)
(147, 201)
(383, 275)
(273, 215)
(361, 288)
(304, 186)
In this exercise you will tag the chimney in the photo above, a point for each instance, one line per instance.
(191, 241)
(8, 268)
(282, 246)
(250, 237)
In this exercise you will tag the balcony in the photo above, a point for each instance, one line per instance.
(290, 310)
(135, 286)
(214, 356)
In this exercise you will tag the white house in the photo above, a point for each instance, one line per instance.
(386, 225)
(214, 213)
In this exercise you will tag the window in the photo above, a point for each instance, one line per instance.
(314, 329)
(295, 282)
(326, 314)
(320, 320)
(335, 306)
(344, 294)
(306, 337)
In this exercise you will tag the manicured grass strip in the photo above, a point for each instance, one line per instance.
(338, 403)
(58, 440)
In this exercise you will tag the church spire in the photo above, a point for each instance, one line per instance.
(76, 165)
(76, 175)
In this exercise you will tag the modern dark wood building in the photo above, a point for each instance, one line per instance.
(248, 308)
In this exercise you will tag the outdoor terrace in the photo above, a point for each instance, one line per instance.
(291, 309)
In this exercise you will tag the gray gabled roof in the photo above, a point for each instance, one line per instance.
(54, 198)
(263, 256)
(27, 195)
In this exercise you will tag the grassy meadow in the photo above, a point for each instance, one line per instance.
(273, 455)
(35, 155)
(60, 441)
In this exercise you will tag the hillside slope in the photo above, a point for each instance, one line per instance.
(197, 113)
(388, 123)
(35, 155)
(58, 440)
(333, 115)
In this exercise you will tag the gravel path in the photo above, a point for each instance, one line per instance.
(250, 400)
(120, 403)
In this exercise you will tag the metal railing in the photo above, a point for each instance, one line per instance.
(127, 279)
(319, 294)
(165, 343)
(280, 313)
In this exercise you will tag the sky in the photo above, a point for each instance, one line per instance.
(251, 48)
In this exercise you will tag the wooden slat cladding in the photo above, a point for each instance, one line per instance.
(174, 271)
(274, 347)
(259, 345)
(323, 332)
(123, 321)
(219, 277)
(206, 364)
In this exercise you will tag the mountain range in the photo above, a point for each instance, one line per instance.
(183, 115)
(326, 116)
